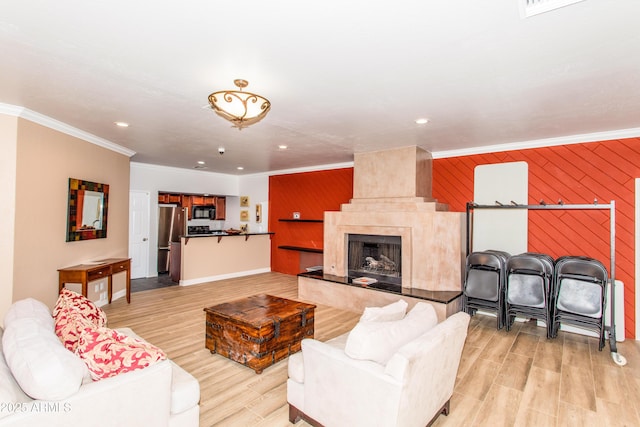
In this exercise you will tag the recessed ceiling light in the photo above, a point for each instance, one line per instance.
(422, 121)
(122, 124)
(282, 147)
(200, 162)
(240, 168)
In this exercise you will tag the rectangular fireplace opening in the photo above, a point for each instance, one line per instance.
(375, 256)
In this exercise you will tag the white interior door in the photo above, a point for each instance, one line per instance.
(139, 233)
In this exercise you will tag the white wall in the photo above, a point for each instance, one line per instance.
(162, 178)
(153, 178)
(256, 187)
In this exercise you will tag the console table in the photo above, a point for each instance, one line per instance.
(85, 273)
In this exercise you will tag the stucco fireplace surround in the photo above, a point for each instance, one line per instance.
(392, 197)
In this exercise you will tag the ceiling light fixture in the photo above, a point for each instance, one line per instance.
(122, 124)
(422, 121)
(240, 108)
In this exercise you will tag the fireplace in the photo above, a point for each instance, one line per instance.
(375, 256)
(392, 200)
(392, 230)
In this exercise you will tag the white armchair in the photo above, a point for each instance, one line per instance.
(413, 388)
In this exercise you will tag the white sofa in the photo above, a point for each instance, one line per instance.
(162, 394)
(328, 387)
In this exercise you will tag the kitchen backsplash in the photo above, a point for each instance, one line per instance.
(213, 225)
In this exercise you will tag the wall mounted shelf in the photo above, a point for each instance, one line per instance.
(301, 249)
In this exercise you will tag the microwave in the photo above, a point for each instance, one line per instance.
(204, 212)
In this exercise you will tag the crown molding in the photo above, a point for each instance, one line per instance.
(173, 169)
(309, 169)
(540, 143)
(41, 119)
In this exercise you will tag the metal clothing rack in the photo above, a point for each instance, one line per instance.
(611, 207)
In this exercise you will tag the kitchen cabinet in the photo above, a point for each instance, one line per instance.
(169, 198)
(190, 200)
(203, 200)
(185, 202)
(221, 206)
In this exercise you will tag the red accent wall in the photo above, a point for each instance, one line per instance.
(311, 194)
(577, 173)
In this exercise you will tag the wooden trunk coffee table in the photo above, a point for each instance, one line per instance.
(259, 330)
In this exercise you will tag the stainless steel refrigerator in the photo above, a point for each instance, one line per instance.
(172, 222)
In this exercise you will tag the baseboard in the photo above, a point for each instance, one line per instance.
(114, 296)
(223, 276)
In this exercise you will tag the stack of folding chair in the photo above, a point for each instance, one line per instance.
(528, 288)
(484, 283)
(580, 294)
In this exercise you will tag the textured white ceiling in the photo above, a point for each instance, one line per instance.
(342, 76)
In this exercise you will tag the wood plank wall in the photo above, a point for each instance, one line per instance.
(577, 173)
(311, 194)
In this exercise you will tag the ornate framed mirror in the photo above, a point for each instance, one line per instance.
(87, 210)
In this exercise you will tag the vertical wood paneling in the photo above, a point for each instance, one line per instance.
(577, 173)
(311, 194)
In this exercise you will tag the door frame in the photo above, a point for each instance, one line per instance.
(637, 255)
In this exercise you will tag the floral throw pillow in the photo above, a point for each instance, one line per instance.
(69, 326)
(72, 314)
(107, 352)
(82, 305)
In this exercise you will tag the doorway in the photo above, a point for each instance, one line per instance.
(139, 233)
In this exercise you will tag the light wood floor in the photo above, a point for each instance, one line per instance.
(505, 379)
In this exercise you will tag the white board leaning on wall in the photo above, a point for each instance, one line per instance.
(501, 229)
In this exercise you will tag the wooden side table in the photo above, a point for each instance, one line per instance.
(85, 273)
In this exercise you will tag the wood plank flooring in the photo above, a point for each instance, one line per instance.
(517, 378)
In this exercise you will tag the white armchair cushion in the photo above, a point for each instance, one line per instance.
(378, 341)
(39, 362)
(342, 391)
(295, 367)
(29, 308)
(185, 390)
(10, 391)
(393, 311)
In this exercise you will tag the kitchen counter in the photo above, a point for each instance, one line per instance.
(211, 257)
(223, 234)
